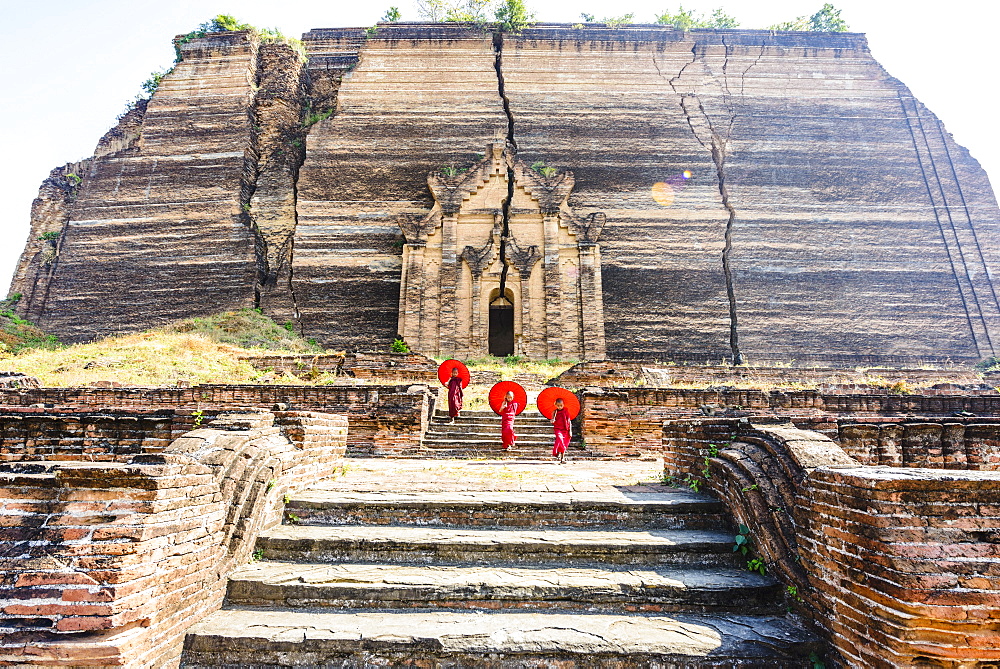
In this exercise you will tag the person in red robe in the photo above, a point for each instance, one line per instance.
(454, 394)
(563, 428)
(507, 412)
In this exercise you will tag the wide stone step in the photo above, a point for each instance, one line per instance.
(320, 543)
(381, 586)
(459, 442)
(674, 509)
(276, 637)
(489, 430)
(533, 454)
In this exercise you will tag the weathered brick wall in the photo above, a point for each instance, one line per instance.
(609, 373)
(614, 420)
(908, 563)
(109, 563)
(379, 367)
(384, 420)
(114, 436)
(952, 443)
(895, 564)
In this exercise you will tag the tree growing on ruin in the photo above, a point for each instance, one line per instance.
(392, 15)
(513, 16)
(685, 19)
(827, 19)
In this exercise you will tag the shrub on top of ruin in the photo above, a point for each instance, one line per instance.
(223, 23)
(399, 346)
(610, 21)
(512, 16)
(391, 15)
(827, 19)
(685, 19)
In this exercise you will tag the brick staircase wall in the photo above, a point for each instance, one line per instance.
(109, 563)
(897, 564)
(393, 416)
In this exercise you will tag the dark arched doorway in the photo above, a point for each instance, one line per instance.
(501, 325)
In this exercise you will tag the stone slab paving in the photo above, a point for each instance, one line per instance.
(403, 475)
(551, 634)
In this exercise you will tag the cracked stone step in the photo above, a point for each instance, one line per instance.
(283, 637)
(382, 586)
(674, 509)
(442, 545)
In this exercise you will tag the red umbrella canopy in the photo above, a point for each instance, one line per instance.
(498, 392)
(547, 402)
(444, 372)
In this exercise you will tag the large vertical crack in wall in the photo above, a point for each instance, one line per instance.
(716, 142)
(512, 143)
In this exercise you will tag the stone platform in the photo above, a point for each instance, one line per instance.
(500, 564)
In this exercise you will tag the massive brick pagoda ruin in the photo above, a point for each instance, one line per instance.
(773, 194)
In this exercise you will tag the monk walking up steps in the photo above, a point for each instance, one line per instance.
(454, 375)
(562, 425)
(507, 399)
(507, 412)
(560, 406)
(454, 395)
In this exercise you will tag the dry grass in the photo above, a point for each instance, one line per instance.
(197, 350)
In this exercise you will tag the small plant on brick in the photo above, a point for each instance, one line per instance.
(286, 499)
(793, 592)
(292, 518)
(49, 236)
(742, 540)
(270, 485)
(693, 482)
(757, 565)
(257, 555)
(199, 417)
(539, 167)
(399, 346)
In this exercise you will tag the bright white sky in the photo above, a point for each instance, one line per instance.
(69, 66)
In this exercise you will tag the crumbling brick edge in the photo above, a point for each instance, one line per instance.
(108, 564)
(895, 566)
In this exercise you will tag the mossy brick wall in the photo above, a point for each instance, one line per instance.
(383, 419)
(109, 563)
(908, 562)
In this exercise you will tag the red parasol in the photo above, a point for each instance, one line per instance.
(547, 402)
(444, 372)
(498, 392)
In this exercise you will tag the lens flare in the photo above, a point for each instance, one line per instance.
(665, 192)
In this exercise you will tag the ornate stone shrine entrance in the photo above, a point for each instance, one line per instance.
(450, 301)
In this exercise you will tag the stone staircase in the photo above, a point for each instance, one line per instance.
(476, 434)
(494, 579)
